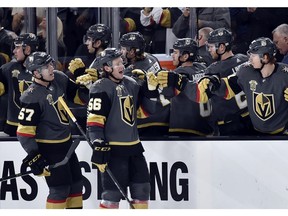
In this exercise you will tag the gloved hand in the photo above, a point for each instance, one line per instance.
(171, 79)
(101, 154)
(37, 164)
(286, 94)
(76, 67)
(85, 80)
(93, 73)
(138, 74)
(203, 89)
(152, 81)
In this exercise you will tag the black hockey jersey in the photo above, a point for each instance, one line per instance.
(186, 116)
(42, 118)
(265, 96)
(16, 80)
(112, 113)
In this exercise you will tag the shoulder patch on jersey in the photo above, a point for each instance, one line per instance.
(285, 69)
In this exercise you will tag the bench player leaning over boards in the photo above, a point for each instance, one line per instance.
(265, 84)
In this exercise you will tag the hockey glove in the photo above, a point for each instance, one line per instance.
(76, 67)
(206, 85)
(101, 154)
(138, 74)
(203, 90)
(152, 81)
(171, 79)
(86, 80)
(286, 94)
(37, 164)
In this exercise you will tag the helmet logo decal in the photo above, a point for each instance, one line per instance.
(263, 105)
(127, 110)
(132, 37)
(263, 43)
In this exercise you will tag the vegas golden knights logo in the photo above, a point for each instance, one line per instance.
(127, 110)
(263, 105)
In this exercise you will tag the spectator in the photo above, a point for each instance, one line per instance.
(61, 46)
(155, 21)
(207, 17)
(280, 39)
(203, 54)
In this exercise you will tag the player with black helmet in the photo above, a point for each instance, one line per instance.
(265, 84)
(97, 38)
(188, 118)
(227, 117)
(138, 63)
(45, 134)
(134, 55)
(14, 78)
(112, 128)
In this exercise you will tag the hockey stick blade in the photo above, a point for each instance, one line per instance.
(60, 163)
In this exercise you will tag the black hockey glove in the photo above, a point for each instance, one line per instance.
(101, 154)
(171, 79)
(37, 164)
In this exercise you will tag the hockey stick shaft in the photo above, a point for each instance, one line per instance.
(63, 103)
(53, 166)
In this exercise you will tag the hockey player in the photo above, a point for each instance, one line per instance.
(188, 118)
(113, 130)
(137, 63)
(14, 78)
(228, 117)
(44, 131)
(97, 38)
(265, 84)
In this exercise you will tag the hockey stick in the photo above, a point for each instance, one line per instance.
(53, 166)
(63, 103)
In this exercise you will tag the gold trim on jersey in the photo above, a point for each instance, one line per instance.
(275, 131)
(54, 141)
(124, 143)
(229, 92)
(12, 123)
(187, 131)
(25, 129)
(141, 114)
(93, 118)
(2, 89)
(243, 115)
(152, 124)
